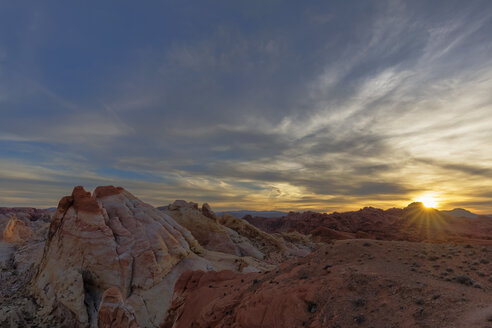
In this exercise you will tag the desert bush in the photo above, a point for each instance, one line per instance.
(464, 280)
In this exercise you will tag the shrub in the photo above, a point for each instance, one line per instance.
(464, 280)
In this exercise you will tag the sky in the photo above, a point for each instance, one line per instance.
(261, 105)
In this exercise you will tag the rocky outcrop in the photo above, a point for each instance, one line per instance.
(18, 224)
(17, 232)
(232, 235)
(28, 213)
(207, 211)
(111, 239)
(271, 247)
(349, 283)
(114, 313)
(228, 299)
(413, 223)
(203, 226)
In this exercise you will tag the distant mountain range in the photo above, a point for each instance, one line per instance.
(457, 212)
(462, 213)
(264, 214)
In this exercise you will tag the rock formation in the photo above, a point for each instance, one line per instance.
(413, 223)
(23, 223)
(233, 236)
(275, 247)
(107, 259)
(28, 213)
(203, 226)
(351, 283)
(17, 232)
(114, 313)
(111, 239)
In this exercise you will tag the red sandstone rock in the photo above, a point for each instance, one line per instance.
(111, 239)
(114, 313)
(351, 283)
(414, 223)
(106, 240)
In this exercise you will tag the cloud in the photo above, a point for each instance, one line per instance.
(326, 106)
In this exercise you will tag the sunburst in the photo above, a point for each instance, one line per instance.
(429, 201)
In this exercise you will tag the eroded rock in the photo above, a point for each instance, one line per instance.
(114, 313)
(17, 232)
(109, 239)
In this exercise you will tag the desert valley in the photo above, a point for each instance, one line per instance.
(246, 164)
(107, 259)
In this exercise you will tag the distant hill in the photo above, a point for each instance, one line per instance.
(242, 213)
(462, 213)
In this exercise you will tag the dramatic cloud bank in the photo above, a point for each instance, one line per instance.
(260, 105)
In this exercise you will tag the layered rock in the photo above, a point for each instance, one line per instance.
(114, 313)
(203, 225)
(111, 239)
(233, 236)
(273, 247)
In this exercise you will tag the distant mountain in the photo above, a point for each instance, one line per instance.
(462, 213)
(242, 213)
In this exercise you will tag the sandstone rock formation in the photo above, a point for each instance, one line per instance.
(203, 225)
(114, 313)
(275, 247)
(110, 260)
(23, 223)
(28, 213)
(17, 232)
(351, 283)
(109, 240)
(413, 223)
(234, 236)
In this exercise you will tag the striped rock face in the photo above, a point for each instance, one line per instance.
(114, 313)
(110, 239)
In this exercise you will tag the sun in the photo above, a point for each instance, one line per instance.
(427, 200)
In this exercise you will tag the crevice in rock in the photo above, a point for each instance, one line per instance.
(92, 297)
(130, 287)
